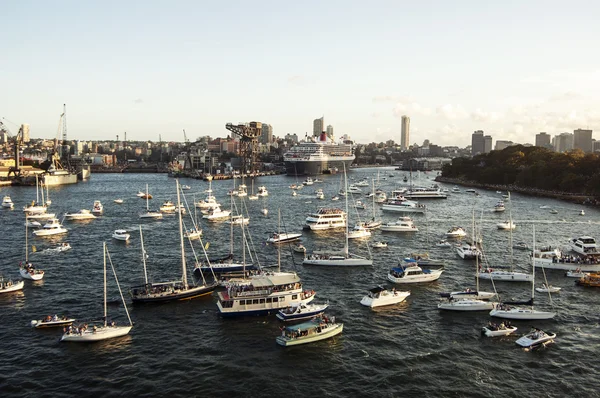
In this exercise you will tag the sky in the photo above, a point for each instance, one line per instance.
(156, 68)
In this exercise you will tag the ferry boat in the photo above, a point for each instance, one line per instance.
(425, 193)
(314, 157)
(326, 218)
(265, 294)
(403, 224)
(308, 332)
(400, 204)
(584, 245)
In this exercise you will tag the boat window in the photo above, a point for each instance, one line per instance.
(295, 297)
(275, 299)
(255, 301)
(262, 301)
(242, 302)
(269, 299)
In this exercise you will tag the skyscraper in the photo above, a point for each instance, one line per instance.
(582, 139)
(405, 134)
(266, 136)
(542, 139)
(318, 126)
(487, 144)
(330, 131)
(563, 142)
(477, 143)
(25, 130)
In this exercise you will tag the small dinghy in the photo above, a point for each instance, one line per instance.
(299, 248)
(379, 245)
(536, 338)
(52, 322)
(443, 243)
(547, 289)
(302, 311)
(497, 330)
(576, 274)
(118, 201)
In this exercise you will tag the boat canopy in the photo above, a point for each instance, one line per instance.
(377, 289)
(276, 280)
(302, 326)
(528, 302)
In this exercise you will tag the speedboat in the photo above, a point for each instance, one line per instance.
(497, 330)
(53, 227)
(443, 243)
(320, 328)
(536, 338)
(186, 187)
(217, 214)
(167, 207)
(410, 272)
(506, 225)
(52, 322)
(283, 237)
(404, 224)
(63, 247)
(358, 232)
(335, 198)
(7, 202)
(308, 181)
(28, 271)
(83, 214)
(379, 296)
(118, 201)
(456, 232)
(32, 224)
(238, 220)
(582, 213)
(8, 286)
(320, 194)
(121, 234)
(547, 289)
(97, 209)
(379, 245)
(140, 194)
(576, 273)
(301, 311)
(262, 191)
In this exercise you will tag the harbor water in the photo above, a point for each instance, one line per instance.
(187, 349)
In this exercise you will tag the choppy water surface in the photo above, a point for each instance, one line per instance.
(186, 349)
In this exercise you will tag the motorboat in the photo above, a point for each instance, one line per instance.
(425, 193)
(308, 332)
(52, 227)
(299, 248)
(52, 322)
(35, 208)
(469, 293)
(521, 246)
(547, 289)
(140, 194)
(380, 197)
(118, 201)
(149, 214)
(283, 237)
(63, 247)
(360, 205)
(577, 273)
(589, 280)
(180, 209)
(32, 224)
(499, 207)
(320, 195)
(81, 215)
(7, 202)
(308, 181)
(410, 272)
(379, 296)
(404, 224)
(379, 245)
(262, 191)
(553, 211)
(186, 187)
(358, 232)
(294, 193)
(497, 330)
(40, 216)
(362, 183)
(335, 197)
(121, 234)
(584, 245)
(193, 234)
(28, 271)
(582, 213)
(167, 207)
(97, 209)
(265, 211)
(217, 215)
(455, 189)
(354, 189)
(301, 311)
(238, 220)
(326, 218)
(8, 286)
(456, 232)
(468, 252)
(536, 338)
(465, 304)
(443, 243)
(506, 276)
(506, 225)
(400, 204)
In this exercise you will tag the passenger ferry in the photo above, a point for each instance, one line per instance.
(314, 157)
(326, 218)
(584, 245)
(263, 295)
(402, 205)
(425, 193)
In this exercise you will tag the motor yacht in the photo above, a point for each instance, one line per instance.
(7, 202)
(379, 296)
(121, 234)
(52, 227)
(404, 224)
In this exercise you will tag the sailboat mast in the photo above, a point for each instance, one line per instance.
(231, 220)
(510, 236)
(533, 268)
(26, 251)
(37, 190)
(105, 307)
(183, 268)
(147, 207)
(143, 256)
(279, 232)
(347, 216)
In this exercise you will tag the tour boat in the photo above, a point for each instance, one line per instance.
(52, 322)
(7, 202)
(498, 330)
(8, 286)
(105, 331)
(404, 224)
(81, 215)
(410, 272)
(167, 207)
(302, 311)
(536, 338)
(52, 227)
(456, 232)
(121, 234)
(308, 332)
(379, 296)
(326, 218)
(97, 209)
(283, 237)
(584, 245)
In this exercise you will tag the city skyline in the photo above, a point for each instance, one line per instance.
(452, 68)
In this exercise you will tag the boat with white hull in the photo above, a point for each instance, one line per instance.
(536, 338)
(326, 218)
(584, 245)
(318, 157)
(409, 272)
(81, 215)
(498, 330)
(308, 332)
(52, 322)
(284, 237)
(8, 286)
(379, 297)
(300, 312)
(403, 224)
(465, 304)
(401, 205)
(7, 202)
(52, 227)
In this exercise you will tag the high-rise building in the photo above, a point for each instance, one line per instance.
(582, 139)
(405, 133)
(477, 143)
(330, 132)
(318, 126)
(266, 136)
(487, 144)
(25, 130)
(543, 139)
(563, 142)
(501, 144)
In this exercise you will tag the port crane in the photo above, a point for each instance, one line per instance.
(248, 133)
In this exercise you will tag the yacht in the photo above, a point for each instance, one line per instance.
(52, 227)
(242, 190)
(425, 193)
(217, 214)
(326, 218)
(410, 272)
(468, 252)
(35, 208)
(536, 338)
(7, 202)
(264, 294)
(320, 194)
(499, 207)
(167, 207)
(465, 304)
(302, 311)
(83, 214)
(378, 297)
(210, 203)
(506, 225)
(121, 234)
(404, 224)
(584, 245)
(359, 231)
(507, 276)
(400, 204)
(308, 181)
(456, 232)
(262, 191)
(97, 209)
(283, 237)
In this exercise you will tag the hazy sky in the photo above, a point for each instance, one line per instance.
(510, 68)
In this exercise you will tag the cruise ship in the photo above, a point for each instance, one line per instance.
(318, 157)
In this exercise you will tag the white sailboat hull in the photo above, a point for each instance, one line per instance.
(36, 276)
(13, 288)
(339, 261)
(521, 313)
(101, 333)
(466, 305)
(506, 276)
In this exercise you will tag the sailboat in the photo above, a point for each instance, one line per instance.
(502, 275)
(172, 290)
(210, 202)
(505, 310)
(195, 232)
(148, 213)
(253, 196)
(374, 223)
(105, 331)
(26, 269)
(340, 258)
(36, 207)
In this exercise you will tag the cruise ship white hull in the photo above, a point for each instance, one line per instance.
(60, 179)
(315, 167)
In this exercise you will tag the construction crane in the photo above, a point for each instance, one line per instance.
(187, 164)
(248, 133)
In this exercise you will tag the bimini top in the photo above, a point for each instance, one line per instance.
(276, 279)
(377, 289)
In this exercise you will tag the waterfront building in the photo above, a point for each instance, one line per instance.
(477, 143)
(330, 132)
(266, 136)
(582, 139)
(405, 133)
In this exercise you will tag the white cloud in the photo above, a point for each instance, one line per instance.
(452, 112)
(480, 115)
(409, 108)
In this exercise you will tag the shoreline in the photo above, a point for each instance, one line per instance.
(581, 199)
